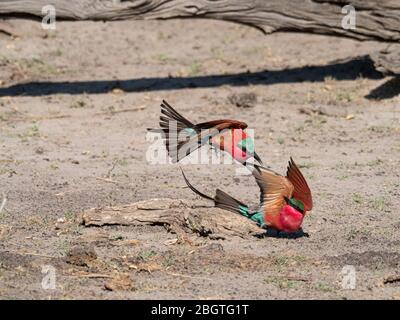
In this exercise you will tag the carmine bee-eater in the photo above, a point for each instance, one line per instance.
(284, 200)
(181, 136)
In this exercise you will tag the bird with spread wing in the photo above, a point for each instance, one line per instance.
(181, 136)
(284, 200)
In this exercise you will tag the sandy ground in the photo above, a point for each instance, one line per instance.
(74, 106)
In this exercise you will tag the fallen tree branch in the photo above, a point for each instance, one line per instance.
(178, 216)
(188, 276)
(376, 20)
(112, 112)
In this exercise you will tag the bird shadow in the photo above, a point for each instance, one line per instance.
(387, 90)
(272, 233)
(349, 69)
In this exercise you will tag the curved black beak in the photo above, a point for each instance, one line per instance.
(257, 158)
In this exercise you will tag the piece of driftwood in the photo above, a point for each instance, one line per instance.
(178, 216)
(375, 19)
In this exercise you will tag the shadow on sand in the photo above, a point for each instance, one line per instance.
(271, 233)
(339, 70)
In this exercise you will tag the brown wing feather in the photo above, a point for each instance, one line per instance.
(222, 124)
(178, 144)
(274, 188)
(301, 190)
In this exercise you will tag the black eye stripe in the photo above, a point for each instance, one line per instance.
(297, 208)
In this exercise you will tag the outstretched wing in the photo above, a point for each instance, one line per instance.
(182, 137)
(274, 188)
(301, 190)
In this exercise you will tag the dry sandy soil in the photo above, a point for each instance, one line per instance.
(74, 107)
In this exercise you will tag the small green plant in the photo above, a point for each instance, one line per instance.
(78, 104)
(56, 53)
(357, 198)
(36, 67)
(162, 57)
(117, 237)
(32, 131)
(195, 68)
(169, 261)
(123, 162)
(281, 282)
(344, 96)
(315, 120)
(380, 129)
(280, 261)
(53, 166)
(378, 203)
(69, 216)
(146, 255)
(374, 163)
(307, 165)
(357, 233)
(322, 286)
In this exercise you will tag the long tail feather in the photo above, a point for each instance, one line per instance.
(225, 201)
(201, 194)
(221, 200)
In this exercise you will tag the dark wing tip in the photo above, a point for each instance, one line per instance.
(291, 164)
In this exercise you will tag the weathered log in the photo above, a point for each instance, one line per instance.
(375, 19)
(178, 216)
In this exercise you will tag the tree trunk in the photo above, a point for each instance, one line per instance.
(375, 19)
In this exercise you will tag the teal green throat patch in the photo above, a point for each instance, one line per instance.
(296, 203)
(247, 145)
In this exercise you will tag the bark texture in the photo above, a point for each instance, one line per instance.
(178, 216)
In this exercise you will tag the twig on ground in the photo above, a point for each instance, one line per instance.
(108, 180)
(3, 203)
(391, 279)
(296, 278)
(90, 275)
(111, 112)
(31, 254)
(310, 111)
(187, 276)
